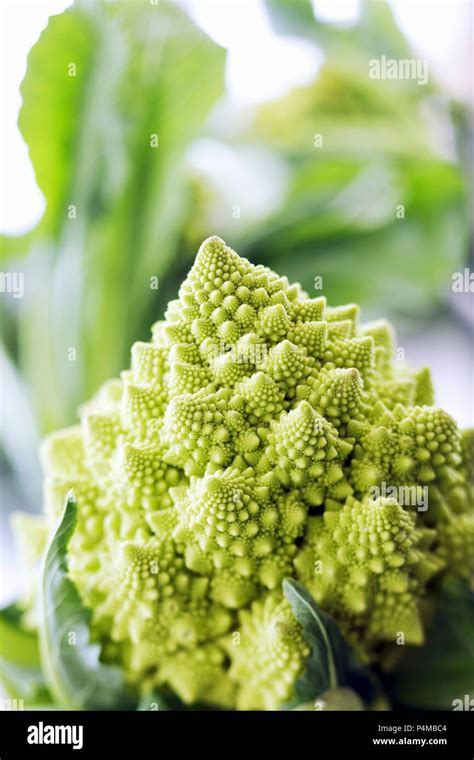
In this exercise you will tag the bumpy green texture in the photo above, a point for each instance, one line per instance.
(244, 445)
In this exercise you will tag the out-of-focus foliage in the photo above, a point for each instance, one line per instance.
(20, 668)
(112, 96)
(376, 204)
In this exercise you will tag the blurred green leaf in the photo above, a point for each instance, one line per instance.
(377, 207)
(12, 247)
(443, 669)
(26, 683)
(377, 32)
(290, 17)
(353, 114)
(374, 33)
(75, 674)
(340, 222)
(60, 71)
(20, 669)
(112, 96)
(17, 644)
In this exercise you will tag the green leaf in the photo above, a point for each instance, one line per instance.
(374, 33)
(322, 634)
(340, 211)
(338, 216)
(24, 683)
(377, 32)
(332, 663)
(115, 203)
(71, 662)
(442, 670)
(55, 87)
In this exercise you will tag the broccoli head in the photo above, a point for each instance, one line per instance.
(251, 439)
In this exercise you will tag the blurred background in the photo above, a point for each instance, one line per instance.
(131, 131)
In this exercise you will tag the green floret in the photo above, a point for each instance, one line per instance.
(241, 530)
(242, 446)
(367, 564)
(268, 655)
(456, 544)
(306, 450)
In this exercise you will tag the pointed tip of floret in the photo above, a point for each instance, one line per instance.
(212, 253)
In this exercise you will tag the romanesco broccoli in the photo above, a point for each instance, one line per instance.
(242, 446)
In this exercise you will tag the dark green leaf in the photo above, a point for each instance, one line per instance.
(332, 663)
(324, 666)
(323, 636)
(71, 662)
(443, 670)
